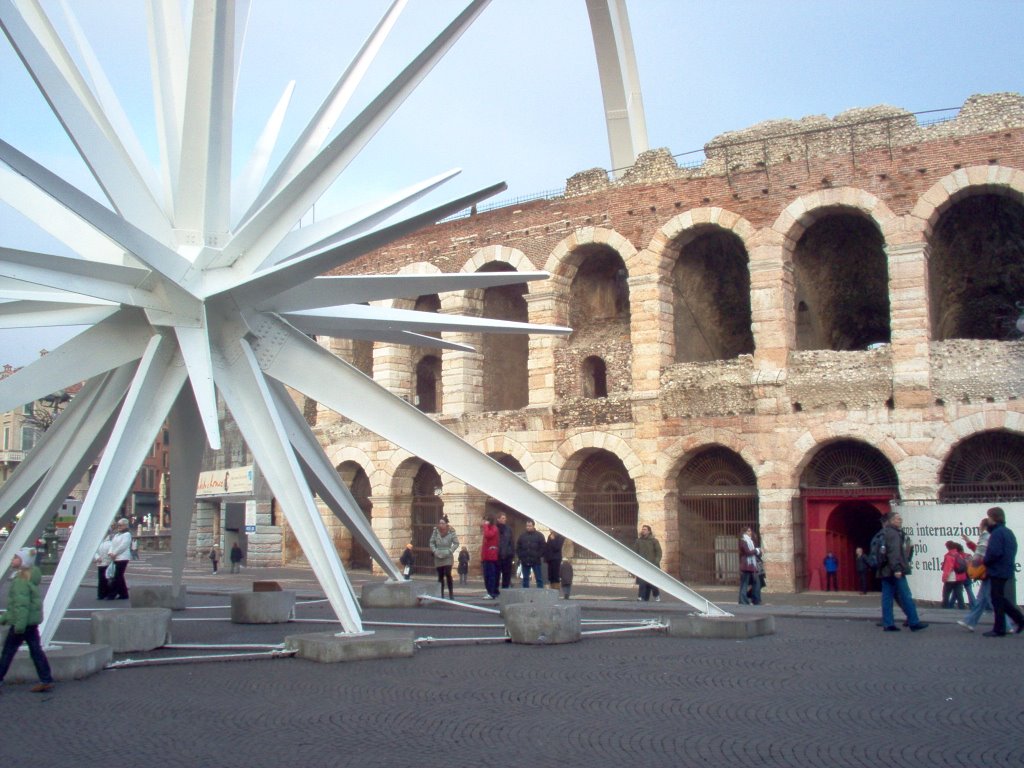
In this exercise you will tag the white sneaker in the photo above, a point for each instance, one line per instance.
(657, 599)
(966, 626)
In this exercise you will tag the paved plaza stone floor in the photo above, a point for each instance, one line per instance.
(829, 688)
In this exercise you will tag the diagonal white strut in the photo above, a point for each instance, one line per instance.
(324, 480)
(295, 360)
(246, 394)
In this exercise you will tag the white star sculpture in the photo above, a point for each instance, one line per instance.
(176, 289)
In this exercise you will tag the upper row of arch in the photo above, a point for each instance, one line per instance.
(912, 228)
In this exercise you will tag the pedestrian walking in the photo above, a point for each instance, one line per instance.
(954, 574)
(464, 566)
(530, 551)
(553, 557)
(407, 561)
(236, 557)
(976, 570)
(506, 550)
(893, 573)
(750, 577)
(1000, 564)
(489, 555)
(102, 559)
(443, 544)
(565, 578)
(831, 563)
(214, 557)
(120, 554)
(649, 548)
(23, 616)
(863, 567)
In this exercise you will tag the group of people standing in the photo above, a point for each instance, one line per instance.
(498, 553)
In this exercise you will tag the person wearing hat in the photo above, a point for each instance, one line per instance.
(120, 554)
(24, 614)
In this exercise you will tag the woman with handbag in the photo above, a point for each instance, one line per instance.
(444, 544)
(976, 571)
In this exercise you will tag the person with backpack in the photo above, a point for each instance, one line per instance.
(893, 570)
(954, 574)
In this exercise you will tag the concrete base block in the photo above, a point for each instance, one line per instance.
(539, 624)
(532, 596)
(164, 596)
(67, 662)
(393, 594)
(262, 607)
(131, 629)
(329, 648)
(721, 627)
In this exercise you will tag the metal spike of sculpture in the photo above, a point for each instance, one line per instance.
(184, 301)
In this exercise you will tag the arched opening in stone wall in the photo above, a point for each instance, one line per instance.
(427, 508)
(594, 377)
(842, 284)
(505, 374)
(717, 502)
(514, 519)
(844, 491)
(426, 363)
(605, 495)
(976, 269)
(355, 479)
(599, 316)
(711, 298)
(986, 467)
(428, 384)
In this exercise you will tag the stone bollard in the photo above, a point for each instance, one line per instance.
(540, 624)
(131, 629)
(262, 607)
(329, 647)
(163, 596)
(529, 596)
(68, 662)
(721, 627)
(393, 594)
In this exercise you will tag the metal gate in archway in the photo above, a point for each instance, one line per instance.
(710, 525)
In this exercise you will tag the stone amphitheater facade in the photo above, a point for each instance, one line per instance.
(817, 320)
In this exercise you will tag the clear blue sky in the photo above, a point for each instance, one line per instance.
(518, 99)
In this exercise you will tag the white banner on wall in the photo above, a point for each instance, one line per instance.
(221, 482)
(931, 526)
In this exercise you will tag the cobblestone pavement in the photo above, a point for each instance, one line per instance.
(830, 690)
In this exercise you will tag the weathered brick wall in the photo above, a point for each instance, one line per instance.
(977, 371)
(719, 388)
(828, 379)
(988, 131)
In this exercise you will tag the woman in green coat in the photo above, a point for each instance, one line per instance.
(24, 614)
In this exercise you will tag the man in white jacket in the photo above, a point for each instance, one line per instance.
(120, 554)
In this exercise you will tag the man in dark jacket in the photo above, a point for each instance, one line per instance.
(506, 551)
(529, 549)
(893, 573)
(1000, 562)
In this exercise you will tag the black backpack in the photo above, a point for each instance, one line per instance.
(960, 564)
(877, 556)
